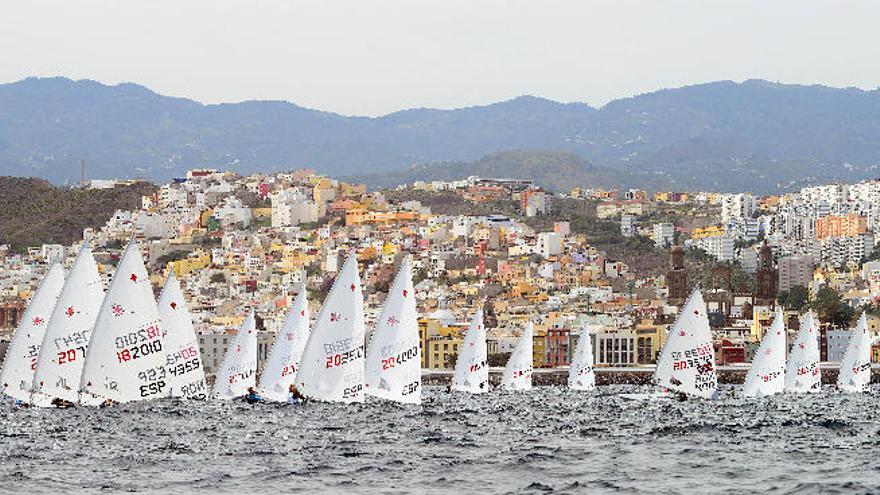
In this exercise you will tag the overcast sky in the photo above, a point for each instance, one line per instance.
(374, 57)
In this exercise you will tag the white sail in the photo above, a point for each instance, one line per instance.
(287, 350)
(767, 374)
(63, 350)
(518, 372)
(332, 367)
(802, 373)
(471, 369)
(185, 374)
(238, 371)
(855, 368)
(17, 377)
(126, 359)
(394, 358)
(581, 375)
(687, 362)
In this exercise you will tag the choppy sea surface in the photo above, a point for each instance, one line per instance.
(546, 440)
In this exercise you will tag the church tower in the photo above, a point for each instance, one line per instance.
(676, 278)
(765, 277)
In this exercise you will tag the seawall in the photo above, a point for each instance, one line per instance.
(625, 376)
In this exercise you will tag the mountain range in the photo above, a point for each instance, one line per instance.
(755, 136)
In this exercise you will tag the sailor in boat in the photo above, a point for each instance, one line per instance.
(107, 403)
(294, 396)
(62, 403)
(252, 397)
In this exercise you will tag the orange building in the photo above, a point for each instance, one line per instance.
(359, 216)
(841, 226)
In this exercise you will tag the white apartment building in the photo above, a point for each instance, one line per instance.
(664, 234)
(627, 225)
(719, 247)
(836, 251)
(292, 207)
(734, 206)
(549, 244)
(829, 193)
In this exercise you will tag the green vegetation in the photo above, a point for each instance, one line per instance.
(795, 298)
(34, 212)
(830, 308)
(451, 359)
(218, 278)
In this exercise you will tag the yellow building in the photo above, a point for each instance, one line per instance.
(710, 231)
(197, 260)
(439, 342)
(293, 259)
(359, 216)
(261, 212)
(539, 348)
(761, 320)
(650, 338)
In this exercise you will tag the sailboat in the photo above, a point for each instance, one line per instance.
(185, 374)
(518, 372)
(287, 350)
(394, 357)
(471, 368)
(855, 368)
(687, 361)
(17, 377)
(63, 350)
(581, 375)
(802, 373)
(332, 366)
(126, 360)
(767, 374)
(238, 371)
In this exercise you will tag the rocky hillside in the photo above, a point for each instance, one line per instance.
(34, 212)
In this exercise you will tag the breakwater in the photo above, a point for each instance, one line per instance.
(734, 375)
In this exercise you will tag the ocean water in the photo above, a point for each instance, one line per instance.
(546, 440)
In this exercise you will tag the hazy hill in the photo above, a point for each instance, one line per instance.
(554, 170)
(755, 135)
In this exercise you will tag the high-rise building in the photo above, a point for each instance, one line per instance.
(795, 270)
